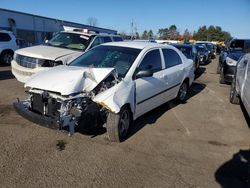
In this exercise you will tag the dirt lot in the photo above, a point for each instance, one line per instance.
(203, 143)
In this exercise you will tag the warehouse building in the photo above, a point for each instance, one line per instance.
(34, 29)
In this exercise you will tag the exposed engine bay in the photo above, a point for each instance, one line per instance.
(71, 110)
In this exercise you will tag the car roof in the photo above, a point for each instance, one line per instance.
(91, 34)
(183, 45)
(132, 44)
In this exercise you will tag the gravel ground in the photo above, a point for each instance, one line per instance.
(203, 143)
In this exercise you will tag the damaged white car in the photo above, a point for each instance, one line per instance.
(110, 85)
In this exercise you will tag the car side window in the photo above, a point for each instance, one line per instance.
(107, 39)
(194, 50)
(97, 41)
(4, 37)
(151, 61)
(116, 39)
(171, 58)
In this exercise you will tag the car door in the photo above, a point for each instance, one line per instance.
(245, 95)
(173, 73)
(240, 74)
(148, 89)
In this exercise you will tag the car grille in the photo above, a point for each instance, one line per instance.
(26, 61)
(45, 105)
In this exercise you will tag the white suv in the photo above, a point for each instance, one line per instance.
(61, 49)
(7, 46)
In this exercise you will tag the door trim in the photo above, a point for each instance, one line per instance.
(165, 90)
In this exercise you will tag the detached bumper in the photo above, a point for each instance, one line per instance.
(34, 117)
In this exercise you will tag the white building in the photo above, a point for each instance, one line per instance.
(34, 29)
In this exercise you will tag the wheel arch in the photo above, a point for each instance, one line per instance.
(7, 50)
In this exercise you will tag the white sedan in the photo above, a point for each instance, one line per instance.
(240, 87)
(110, 85)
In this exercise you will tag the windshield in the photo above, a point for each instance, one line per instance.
(186, 51)
(200, 48)
(121, 58)
(208, 45)
(236, 50)
(70, 40)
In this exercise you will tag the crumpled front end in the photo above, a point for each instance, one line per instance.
(57, 112)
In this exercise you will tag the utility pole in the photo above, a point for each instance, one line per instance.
(132, 29)
(135, 30)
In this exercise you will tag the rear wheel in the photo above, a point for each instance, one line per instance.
(234, 98)
(218, 69)
(118, 124)
(182, 94)
(6, 57)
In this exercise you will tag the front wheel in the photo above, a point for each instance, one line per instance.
(218, 69)
(7, 57)
(182, 94)
(234, 99)
(222, 79)
(118, 124)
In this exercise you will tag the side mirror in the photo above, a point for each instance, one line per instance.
(144, 73)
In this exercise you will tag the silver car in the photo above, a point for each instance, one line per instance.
(240, 88)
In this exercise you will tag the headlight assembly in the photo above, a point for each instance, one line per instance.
(230, 61)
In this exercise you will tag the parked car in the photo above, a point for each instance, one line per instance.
(8, 45)
(228, 59)
(203, 54)
(23, 43)
(61, 49)
(189, 50)
(210, 46)
(111, 84)
(240, 87)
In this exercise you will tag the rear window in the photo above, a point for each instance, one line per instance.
(116, 39)
(247, 46)
(4, 37)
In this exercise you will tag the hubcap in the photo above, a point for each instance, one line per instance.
(183, 91)
(124, 122)
(7, 58)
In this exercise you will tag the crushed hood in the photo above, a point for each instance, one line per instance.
(46, 52)
(68, 79)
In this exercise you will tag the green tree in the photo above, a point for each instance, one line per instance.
(137, 36)
(170, 33)
(150, 34)
(144, 35)
(212, 33)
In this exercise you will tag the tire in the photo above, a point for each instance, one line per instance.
(218, 69)
(222, 79)
(118, 124)
(233, 97)
(182, 94)
(6, 57)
